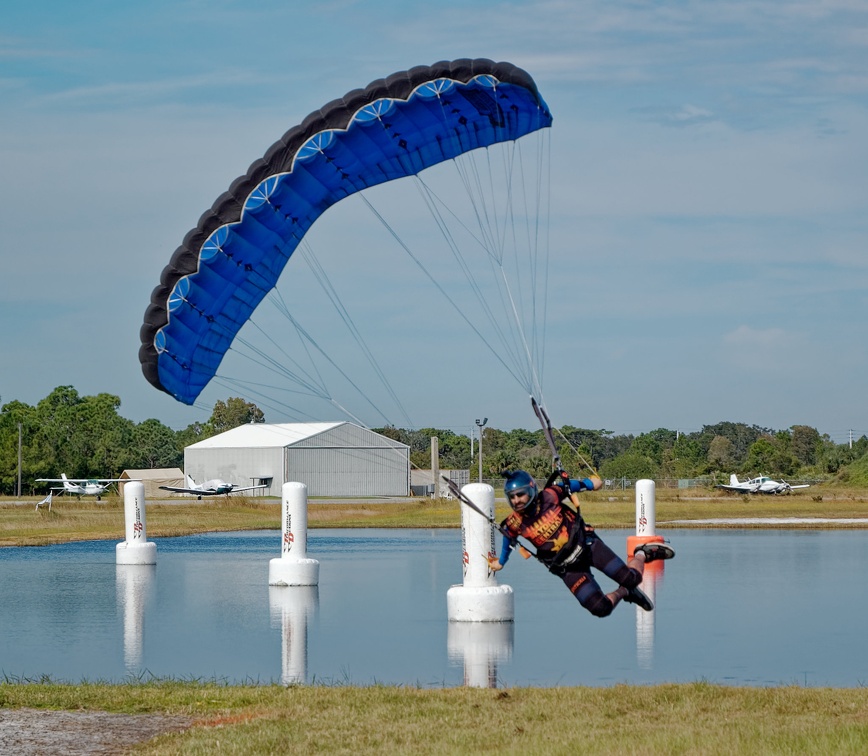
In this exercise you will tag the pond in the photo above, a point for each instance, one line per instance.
(740, 607)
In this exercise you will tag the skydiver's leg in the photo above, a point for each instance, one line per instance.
(586, 589)
(628, 576)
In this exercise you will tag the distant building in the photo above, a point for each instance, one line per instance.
(332, 459)
(422, 481)
(153, 479)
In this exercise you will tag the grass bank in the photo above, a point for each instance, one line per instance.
(86, 519)
(661, 719)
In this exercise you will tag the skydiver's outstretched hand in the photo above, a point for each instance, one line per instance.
(597, 481)
(494, 564)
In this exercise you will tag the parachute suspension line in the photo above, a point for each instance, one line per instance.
(315, 385)
(494, 224)
(538, 248)
(432, 203)
(532, 378)
(467, 167)
(259, 357)
(519, 318)
(436, 283)
(282, 307)
(262, 399)
(322, 278)
(543, 193)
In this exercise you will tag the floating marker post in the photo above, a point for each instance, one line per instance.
(291, 608)
(646, 532)
(646, 519)
(480, 598)
(293, 567)
(136, 549)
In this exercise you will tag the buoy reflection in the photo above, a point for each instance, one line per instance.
(133, 585)
(480, 647)
(651, 580)
(291, 608)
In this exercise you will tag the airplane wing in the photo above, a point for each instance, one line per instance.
(741, 489)
(84, 480)
(195, 491)
(248, 488)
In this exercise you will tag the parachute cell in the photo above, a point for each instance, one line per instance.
(394, 128)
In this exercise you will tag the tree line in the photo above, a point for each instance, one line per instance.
(715, 452)
(86, 437)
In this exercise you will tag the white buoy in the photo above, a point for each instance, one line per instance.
(480, 647)
(646, 516)
(133, 585)
(291, 608)
(293, 567)
(646, 532)
(136, 549)
(479, 598)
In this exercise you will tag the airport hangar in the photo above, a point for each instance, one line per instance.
(338, 459)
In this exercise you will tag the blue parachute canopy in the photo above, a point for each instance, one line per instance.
(393, 128)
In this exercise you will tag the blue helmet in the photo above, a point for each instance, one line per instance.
(520, 482)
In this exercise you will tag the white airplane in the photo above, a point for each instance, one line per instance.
(762, 484)
(214, 487)
(81, 486)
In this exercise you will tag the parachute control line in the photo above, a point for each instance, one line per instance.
(479, 598)
(293, 567)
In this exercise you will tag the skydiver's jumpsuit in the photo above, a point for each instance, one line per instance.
(568, 547)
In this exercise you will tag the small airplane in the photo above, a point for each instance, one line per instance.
(81, 486)
(762, 484)
(215, 487)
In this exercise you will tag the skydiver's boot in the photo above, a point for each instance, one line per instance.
(654, 551)
(637, 596)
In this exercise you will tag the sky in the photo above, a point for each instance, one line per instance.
(709, 213)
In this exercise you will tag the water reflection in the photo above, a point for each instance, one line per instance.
(645, 621)
(291, 608)
(134, 583)
(479, 647)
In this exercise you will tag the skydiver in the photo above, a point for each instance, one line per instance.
(569, 547)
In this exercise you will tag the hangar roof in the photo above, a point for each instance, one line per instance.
(265, 435)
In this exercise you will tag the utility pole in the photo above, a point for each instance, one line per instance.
(19, 460)
(435, 465)
(480, 424)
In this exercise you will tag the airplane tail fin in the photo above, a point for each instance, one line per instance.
(733, 480)
(190, 482)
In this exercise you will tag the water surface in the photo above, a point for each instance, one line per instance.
(745, 607)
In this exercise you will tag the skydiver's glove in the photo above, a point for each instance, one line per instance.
(494, 564)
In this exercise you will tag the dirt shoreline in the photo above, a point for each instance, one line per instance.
(35, 732)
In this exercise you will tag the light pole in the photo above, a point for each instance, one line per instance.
(480, 424)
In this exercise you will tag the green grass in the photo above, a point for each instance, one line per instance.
(661, 719)
(74, 520)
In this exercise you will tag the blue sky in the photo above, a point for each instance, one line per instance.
(709, 173)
